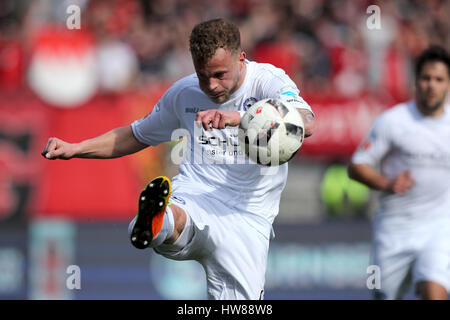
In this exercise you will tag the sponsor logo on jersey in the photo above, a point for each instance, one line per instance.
(435, 159)
(290, 94)
(292, 97)
(218, 141)
(295, 101)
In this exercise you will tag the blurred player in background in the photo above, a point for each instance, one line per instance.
(220, 212)
(411, 145)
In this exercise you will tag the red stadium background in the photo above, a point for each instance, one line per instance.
(75, 77)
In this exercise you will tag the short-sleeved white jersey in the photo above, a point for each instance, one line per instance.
(402, 139)
(213, 158)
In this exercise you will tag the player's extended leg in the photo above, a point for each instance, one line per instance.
(156, 223)
(429, 290)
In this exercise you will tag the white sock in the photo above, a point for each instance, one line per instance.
(185, 236)
(166, 231)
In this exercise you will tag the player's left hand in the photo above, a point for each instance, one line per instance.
(218, 119)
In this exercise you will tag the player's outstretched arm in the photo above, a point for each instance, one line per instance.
(373, 179)
(113, 144)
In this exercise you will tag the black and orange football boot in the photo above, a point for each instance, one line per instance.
(152, 205)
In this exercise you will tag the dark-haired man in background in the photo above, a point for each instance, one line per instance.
(410, 143)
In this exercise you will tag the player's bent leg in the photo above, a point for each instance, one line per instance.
(430, 290)
(156, 223)
(182, 233)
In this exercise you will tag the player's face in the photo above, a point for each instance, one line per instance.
(432, 86)
(222, 75)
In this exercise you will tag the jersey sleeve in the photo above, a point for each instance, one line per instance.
(375, 145)
(280, 86)
(291, 95)
(157, 127)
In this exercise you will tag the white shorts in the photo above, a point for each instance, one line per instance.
(232, 252)
(406, 257)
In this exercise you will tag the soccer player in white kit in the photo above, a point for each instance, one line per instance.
(410, 143)
(222, 206)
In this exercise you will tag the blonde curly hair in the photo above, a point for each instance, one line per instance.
(208, 36)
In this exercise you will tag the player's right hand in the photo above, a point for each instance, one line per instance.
(58, 149)
(217, 119)
(402, 183)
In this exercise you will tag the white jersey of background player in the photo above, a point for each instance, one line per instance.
(410, 143)
(222, 205)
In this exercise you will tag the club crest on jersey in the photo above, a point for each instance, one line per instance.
(248, 103)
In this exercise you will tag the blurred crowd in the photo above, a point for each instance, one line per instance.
(326, 46)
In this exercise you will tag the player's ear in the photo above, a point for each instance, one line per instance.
(242, 56)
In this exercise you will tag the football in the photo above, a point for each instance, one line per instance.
(271, 132)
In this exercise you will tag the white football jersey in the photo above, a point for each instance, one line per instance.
(404, 139)
(213, 158)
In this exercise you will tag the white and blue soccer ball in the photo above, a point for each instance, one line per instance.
(271, 132)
